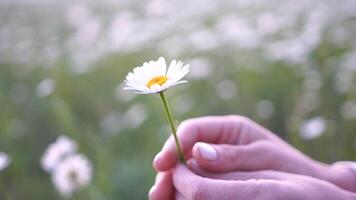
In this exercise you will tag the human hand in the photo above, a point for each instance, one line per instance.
(266, 185)
(235, 143)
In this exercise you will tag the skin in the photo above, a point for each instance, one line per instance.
(198, 184)
(243, 148)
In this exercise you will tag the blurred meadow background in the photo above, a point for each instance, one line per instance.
(289, 65)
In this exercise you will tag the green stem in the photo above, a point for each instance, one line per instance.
(173, 127)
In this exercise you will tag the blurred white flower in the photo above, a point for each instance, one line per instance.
(111, 123)
(226, 89)
(294, 50)
(238, 31)
(77, 14)
(268, 23)
(202, 68)
(4, 160)
(72, 174)
(265, 109)
(174, 45)
(348, 110)
(183, 104)
(45, 87)
(313, 128)
(160, 7)
(154, 77)
(120, 37)
(203, 40)
(56, 152)
(135, 116)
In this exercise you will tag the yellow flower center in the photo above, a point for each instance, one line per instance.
(158, 80)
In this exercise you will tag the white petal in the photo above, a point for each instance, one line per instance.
(180, 82)
(171, 84)
(172, 68)
(146, 92)
(161, 64)
(156, 88)
(183, 72)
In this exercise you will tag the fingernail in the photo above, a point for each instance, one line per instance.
(157, 157)
(207, 152)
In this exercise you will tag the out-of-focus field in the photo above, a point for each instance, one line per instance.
(289, 65)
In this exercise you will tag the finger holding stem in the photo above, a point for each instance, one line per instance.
(173, 126)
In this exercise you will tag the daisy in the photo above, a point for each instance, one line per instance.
(154, 77)
(72, 174)
(57, 151)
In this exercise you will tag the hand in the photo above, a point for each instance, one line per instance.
(235, 143)
(265, 185)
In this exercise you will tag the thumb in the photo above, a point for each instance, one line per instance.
(223, 157)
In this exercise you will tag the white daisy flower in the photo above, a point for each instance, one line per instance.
(57, 151)
(313, 128)
(71, 174)
(154, 77)
(4, 160)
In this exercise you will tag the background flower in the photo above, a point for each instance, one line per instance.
(72, 174)
(69, 170)
(4, 161)
(313, 128)
(58, 151)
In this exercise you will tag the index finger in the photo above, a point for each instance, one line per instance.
(213, 129)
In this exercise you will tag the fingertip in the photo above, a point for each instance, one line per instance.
(164, 161)
(163, 188)
(156, 162)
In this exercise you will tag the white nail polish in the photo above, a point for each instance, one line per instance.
(207, 152)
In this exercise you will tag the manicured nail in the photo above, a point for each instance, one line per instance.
(207, 152)
(157, 157)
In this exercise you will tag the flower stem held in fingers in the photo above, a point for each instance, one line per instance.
(155, 77)
(173, 127)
